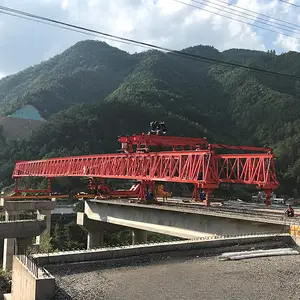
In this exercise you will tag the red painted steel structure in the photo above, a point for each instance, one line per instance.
(201, 166)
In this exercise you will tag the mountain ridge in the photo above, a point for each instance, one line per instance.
(92, 92)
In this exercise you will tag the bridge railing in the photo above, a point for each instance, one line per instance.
(18, 217)
(33, 266)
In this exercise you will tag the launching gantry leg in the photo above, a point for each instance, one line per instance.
(19, 191)
(205, 194)
(196, 194)
(147, 191)
(268, 193)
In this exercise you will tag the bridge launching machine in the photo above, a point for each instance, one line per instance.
(156, 157)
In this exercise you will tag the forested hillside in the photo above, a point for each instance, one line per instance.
(91, 93)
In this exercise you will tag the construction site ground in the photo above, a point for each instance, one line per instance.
(182, 279)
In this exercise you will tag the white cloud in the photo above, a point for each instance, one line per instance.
(65, 4)
(287, 43)
(165, 23)
(2, 75)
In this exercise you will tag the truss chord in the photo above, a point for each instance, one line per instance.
(201, 166)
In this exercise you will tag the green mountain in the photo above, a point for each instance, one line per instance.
(84, 73)
(92, 92)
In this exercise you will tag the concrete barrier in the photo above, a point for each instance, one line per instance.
(30, 282)
(212, 246)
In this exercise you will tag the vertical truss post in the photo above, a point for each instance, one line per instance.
(142, 191)
(91, 184)
(152, 185)
(268, 193)
(98, 185)
(102, 187)
(49, 185)
(144, 188)
(196, 194)
(208, 193)
(16, 185)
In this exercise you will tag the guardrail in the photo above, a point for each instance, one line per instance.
(18, 217)
(33, 267)
(30, 264)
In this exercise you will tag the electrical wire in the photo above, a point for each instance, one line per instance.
(63, 27)
(256, 13)
(18, 13)
(255, 16)
(234, 19)
(287, 2)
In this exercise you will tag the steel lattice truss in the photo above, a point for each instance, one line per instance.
(200, 167)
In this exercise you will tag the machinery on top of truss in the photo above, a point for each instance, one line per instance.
(149, 158)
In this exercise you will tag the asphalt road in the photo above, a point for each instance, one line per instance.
(198, 278)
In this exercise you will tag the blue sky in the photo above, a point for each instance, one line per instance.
(162, 22)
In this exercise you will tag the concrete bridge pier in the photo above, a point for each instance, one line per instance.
(18, 236)
(139, 236)
(44, 213)
(95, 231)
(13, 246)
(9, 250)
(95, 239)
(9, 244)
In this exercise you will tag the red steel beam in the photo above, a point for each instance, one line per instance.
(243, 148)
(158, 140)
(256, 169)
(201, 167)
(175, 141)
(183, 166)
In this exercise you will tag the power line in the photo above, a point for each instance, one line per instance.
(234, 19)
(253, 18)
(69, 26)
(63, 27)
(254, 12)
(257, 16)
(284, 1)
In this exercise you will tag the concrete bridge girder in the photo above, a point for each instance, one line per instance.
(18, 235)
(175, 223)
(22, 229)
(27, 205)
(95, 230)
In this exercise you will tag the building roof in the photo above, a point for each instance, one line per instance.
(28, 112)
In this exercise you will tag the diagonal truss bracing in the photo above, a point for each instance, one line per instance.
(199, 167)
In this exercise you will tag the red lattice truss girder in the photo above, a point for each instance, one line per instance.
(202, 167)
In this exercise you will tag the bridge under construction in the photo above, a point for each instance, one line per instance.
(149, 159)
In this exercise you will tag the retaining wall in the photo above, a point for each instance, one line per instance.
(29, 286)
(212, 246)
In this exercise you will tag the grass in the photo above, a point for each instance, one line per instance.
(5, 283)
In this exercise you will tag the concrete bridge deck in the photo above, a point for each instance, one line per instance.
(184, 222)
(248, 211)
(252, 213)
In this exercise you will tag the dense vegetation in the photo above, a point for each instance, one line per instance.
(91, 93)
